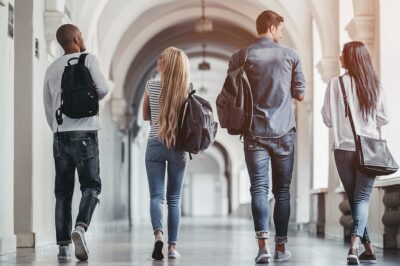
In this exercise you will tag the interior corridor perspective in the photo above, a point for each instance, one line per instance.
(127, 36)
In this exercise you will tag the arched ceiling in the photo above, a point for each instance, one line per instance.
(221, 43)
(130, 34)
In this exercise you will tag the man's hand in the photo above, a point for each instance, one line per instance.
(299, 97)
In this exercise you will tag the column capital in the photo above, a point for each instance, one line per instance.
(328, 68)
(362, 28)
(52, 20)
(118, 108)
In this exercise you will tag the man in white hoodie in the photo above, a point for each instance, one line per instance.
(75, 145)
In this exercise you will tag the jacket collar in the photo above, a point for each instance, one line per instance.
(264, 40)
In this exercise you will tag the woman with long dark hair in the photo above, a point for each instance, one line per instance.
(162, 101)
(365, 100)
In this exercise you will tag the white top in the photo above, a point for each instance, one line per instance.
(52, 94)
(333, 114)
(153, 88)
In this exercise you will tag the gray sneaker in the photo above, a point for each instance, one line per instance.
(81, 250)
(282, 256)
(64, 254)
(263, 256)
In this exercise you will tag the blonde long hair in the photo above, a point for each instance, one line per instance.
(175, 76)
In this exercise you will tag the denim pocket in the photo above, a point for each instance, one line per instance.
(180, 156)
(285, 144)
(154, 150)
(83, 148)
(251, 145)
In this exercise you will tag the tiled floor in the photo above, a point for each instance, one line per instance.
(205, 242)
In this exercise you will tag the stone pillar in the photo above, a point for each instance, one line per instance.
(23, 126)
(7, 237)
(391, 217)
(318, 217)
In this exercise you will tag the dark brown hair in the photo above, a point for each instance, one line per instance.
(358, 62)
(266, 19)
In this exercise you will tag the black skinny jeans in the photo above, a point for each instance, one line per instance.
(75, 150)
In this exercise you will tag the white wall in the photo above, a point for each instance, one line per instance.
(321, 145)
(43, 172)
(35, 159)
(205, 192)
(389, 60)
(7, 238)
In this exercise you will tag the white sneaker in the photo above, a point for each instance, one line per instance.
(81, 250)
(173, 255)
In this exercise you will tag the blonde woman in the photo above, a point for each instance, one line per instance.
(162, 101)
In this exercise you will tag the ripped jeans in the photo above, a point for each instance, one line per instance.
(259, 154)
(358, 187)
(75, 150)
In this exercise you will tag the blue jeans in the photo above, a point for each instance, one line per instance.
(157, 156)
(358, 187)
(259, 153)
(75, 150)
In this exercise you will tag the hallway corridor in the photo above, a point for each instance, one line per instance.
(127, 37)
(204, 242)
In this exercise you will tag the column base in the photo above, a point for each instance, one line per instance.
(26, 240)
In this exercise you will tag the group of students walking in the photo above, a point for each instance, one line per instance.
(275, 76)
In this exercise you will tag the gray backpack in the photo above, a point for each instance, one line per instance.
(235, 101)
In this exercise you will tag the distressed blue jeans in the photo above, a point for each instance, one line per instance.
(159, 159)
(75, 150)
(259, 153)
(358, 187)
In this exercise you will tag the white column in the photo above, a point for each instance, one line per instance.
(389, 59)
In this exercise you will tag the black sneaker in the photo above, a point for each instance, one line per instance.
(157, 251)
(367, 258)
(352, 257)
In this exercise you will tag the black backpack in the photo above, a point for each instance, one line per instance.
(196, 126)
(235, 101)
(78, 92)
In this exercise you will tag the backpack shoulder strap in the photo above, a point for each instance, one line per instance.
(73, 58)
(243, 56)
(82, 58)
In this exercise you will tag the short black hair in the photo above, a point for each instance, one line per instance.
(66, 33)
(266, 19)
